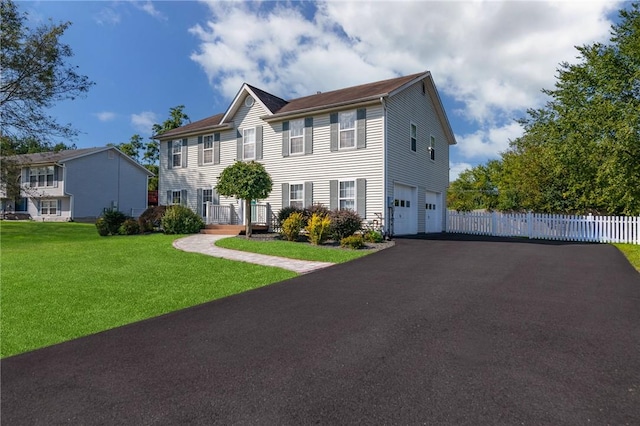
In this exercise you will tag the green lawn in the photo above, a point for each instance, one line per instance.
(62, 281)
(632, 252)
(292, 250)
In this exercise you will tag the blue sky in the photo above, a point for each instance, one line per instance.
(489, 60)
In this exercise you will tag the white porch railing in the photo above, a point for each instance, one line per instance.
(221, 215)
(603, 229)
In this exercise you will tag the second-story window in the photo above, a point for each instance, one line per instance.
(296, 136)
(347, 129)
(207, 150)
(249, 144)
(41, 177)
(176, 154)
(414, 137)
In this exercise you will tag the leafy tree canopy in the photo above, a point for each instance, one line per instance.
(245, 180)
(35, 76)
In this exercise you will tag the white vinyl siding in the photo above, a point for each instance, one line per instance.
(416, 169)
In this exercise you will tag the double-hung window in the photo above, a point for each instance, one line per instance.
(207, 150)
(432, 148)
(347, 129)
(249, 144)
(296, 195)
(41, 177)
(176, 154)
(347, 195)
(176, 197)
(296, 136)
(207, 197)
(48, 207)
(414, 137)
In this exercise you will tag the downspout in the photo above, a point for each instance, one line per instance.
(385, 207)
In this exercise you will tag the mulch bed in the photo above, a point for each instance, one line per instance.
(329, 244)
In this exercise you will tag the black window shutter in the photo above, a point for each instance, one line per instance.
(239, 145)
(361, 193)
(333, 123)
(169, 198)
(285, 139)
(200, 151)
(361, 128)
(333, 194)
(216, 148)
(308, 194)
(169, 155)
(258, 142)
(199, 202)
(308, 135)
(183, 197)
(285, 195)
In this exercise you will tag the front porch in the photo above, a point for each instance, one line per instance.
(228, 219)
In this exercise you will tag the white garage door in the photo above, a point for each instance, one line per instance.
(433, 221)
(405, 210)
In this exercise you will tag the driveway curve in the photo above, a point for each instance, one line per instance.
(446, 330)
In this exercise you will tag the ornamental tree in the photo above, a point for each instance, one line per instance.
(248, 181)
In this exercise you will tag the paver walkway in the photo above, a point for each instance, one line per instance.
(205, 244)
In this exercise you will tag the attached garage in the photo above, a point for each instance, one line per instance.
(405, 210)
(433, 209)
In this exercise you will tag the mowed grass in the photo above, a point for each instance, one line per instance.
(292, 250)
(632, 252)
(60, 281)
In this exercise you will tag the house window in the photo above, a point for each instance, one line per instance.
(48, 207)
(249, 144)
(176, 154)
(432, 148)
(176, 197)
(414, 137)
(41, 177)
(296, 195)
(296, 136)
(347, 195)
(347, 129)
(207, 150)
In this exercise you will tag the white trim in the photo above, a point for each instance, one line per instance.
(205, 149)
(355, 193)
(301, 200)
(176, 144)
(245, 143)
(301, 137)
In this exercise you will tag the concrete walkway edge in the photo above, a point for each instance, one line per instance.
(205, 244)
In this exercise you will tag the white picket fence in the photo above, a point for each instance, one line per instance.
(601, 229)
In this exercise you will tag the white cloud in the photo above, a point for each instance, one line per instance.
(494, 57)
(487, 143)
(144, 121)
(456, 168)
(107, 16)
(105, 116)
(149, 8)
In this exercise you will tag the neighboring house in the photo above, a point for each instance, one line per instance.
(381, 149)
(79, 184)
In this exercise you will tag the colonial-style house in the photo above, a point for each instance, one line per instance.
(381, 149)
(78, 184)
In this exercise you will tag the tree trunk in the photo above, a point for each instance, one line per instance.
(247, 215)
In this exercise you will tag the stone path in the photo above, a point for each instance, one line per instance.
(205, 244)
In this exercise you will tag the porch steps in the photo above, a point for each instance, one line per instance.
(223, 229)
(232, 229)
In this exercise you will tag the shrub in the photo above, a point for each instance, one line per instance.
(292, 226)
(318, 228)
(372, 236)
(344, 223)
(101, 225)
(354, 241)
(318, 209)
(151, 218)
(181, 220)
(285, 212)
(129, 227)
(109, 223)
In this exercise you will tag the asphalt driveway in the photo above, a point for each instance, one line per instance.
(441, 331)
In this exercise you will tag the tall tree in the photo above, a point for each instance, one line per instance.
(35, 76)
(248, 181)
